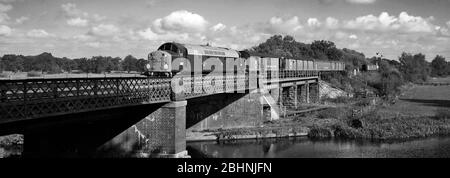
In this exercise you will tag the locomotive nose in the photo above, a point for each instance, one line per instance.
(158, 60)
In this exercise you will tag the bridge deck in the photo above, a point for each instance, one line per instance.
(35, 98)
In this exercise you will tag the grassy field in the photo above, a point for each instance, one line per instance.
(421, 100)
(440, 80)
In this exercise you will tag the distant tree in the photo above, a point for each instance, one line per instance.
(99, 64)
(140, 65)
(2, 66)
(13, 63)
(129, 63)
(326, 50)
(414, 67)
(439, 67)
(83, 64)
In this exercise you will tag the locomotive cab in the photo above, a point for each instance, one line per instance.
(160, 61)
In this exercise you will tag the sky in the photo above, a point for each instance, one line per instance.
(85, 28)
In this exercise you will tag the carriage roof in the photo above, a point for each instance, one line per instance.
(205, 50)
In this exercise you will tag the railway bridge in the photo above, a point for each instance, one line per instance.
(142, 115)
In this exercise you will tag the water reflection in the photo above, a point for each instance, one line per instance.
(11, 151)
(306, 148)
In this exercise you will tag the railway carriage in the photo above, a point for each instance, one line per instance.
(172, 58)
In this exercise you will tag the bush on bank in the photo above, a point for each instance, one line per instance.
(379, 127)
(11, 140)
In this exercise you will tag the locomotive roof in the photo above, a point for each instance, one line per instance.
(207, 50)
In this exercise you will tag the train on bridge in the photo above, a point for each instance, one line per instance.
(160, 61)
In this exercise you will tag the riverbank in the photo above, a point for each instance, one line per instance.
(421, 111)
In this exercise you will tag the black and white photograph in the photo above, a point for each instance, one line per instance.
(213, 79)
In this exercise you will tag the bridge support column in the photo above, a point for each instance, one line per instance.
(169, 131)
(307, 93)
(285, 91)
(295, 97)
(314, 92)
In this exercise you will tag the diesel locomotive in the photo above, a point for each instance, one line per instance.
(161, 62)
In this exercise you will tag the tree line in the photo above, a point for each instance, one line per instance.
(46, 62)
(386, 81)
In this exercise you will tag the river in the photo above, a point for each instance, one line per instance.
(301, 147)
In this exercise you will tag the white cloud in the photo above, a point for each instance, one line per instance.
(280, 25)
(5, 7)
(105, 30)
(38, 33)
(148, 34)
(22, 19)
(384, 22)
(331, 23)
(353, 36)
(218, 27)
(313, 22)
(82, 37)
(78, 22)
(77, 16)
(93, 44)
(180, 21)
(71, 10)
(361, 1)
(5, 30)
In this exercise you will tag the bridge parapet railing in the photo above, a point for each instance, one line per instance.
(30, 98)
(200, 85)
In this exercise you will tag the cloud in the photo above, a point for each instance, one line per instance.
(313, 22)
(361, 1)
(7, 1)
(331, 23)
(180, 21)
(404, 23)
(38, 33)
(72, 11)
(104, 30)
(5, 30)
(150, 3)
(78, 22)
(218, 27)
(3, 9)
(78, 17)
(22, 19)
(82, 37)
(148, 34)
(286, 26)
(93, 44)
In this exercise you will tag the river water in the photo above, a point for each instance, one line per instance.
(301, 147)
(436, 147)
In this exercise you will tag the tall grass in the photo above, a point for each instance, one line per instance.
(442, 113)
(378, 126)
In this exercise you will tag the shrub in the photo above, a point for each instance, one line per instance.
(442, 114)
(4, 75)
(320, 132)
(34, 74)
(335, 113)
